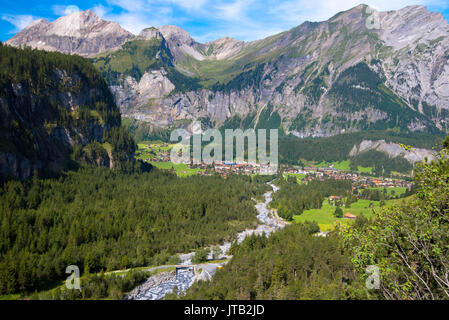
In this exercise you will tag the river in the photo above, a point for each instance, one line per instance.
(184, 278)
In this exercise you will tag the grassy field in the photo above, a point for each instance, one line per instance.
(339, 165)
(10, 297)
(392, 191)
(325, 216)
(182, 170)
(150, 151)
(298, 176)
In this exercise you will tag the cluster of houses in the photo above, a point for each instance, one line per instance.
(160, 154)
(312, 173)
(224, 168)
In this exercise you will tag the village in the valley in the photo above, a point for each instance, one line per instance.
(160, 154)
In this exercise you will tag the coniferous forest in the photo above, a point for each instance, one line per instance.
(290, 264)
(293, 198)
(107, 220)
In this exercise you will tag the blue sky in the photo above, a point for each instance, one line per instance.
(205, 20)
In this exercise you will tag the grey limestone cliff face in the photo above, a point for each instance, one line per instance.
(393, 150)
(417, 67)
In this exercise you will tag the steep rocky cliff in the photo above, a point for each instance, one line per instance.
(393, 150)
(50, 103)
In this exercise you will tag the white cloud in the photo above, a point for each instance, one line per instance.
(131, 5)
(137, 15)
(18, 21)
(62, 10)
(188, 5)
(233, 11)
(101, 10)
(133, 22)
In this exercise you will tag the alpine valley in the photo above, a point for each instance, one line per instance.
(87, 184)
(342, 76)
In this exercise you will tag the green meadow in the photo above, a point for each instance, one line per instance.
(325, 216)
(344, 165)
(299, 176)
(153, 150)
(393, 191)
(182, 170)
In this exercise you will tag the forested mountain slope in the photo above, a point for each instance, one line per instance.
(50, 105)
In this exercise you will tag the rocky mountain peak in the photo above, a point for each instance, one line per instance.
(38, 22)
(83, 33)
(150, 33)
(181, 43)
(411, 25)
(74, 24)
(224, 47)
(176, 34)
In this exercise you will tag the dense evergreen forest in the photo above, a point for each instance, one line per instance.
(52, 106)
(290, 264)
(101, 219)
(293, 198)
(381, 163)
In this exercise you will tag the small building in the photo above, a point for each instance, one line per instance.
(350, 216)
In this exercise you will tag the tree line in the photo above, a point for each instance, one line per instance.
(293, 198)
(290, 264)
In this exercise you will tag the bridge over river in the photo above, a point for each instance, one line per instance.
(157, 287)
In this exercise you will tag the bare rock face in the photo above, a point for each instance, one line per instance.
(150, 34)
(154, 85)
(310, 75)
(224, 48)
(393, 150)
(417, 67)
(301, 73)
(181, 43)
(82, 33)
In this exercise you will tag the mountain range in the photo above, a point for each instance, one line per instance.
(360, 70)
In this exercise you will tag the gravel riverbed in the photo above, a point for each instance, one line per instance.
(158, 286)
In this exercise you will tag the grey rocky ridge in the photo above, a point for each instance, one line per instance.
(82, 33)
(316, 80)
